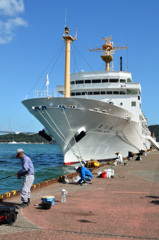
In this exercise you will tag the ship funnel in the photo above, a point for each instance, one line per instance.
(121, 64)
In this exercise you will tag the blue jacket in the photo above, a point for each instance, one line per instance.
(27, 166)
(83, 171)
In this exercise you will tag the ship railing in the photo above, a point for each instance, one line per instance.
(45, 93)
(101, 86)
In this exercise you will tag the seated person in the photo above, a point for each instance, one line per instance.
(84, 173)
(119, 159)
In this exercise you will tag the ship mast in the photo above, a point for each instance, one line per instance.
(108, 51)
(68, 39)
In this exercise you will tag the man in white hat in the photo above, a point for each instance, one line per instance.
(119, 159)
(27, 172)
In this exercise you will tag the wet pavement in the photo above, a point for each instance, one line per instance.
(123, 207)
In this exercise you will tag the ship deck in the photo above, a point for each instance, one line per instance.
(123, 207)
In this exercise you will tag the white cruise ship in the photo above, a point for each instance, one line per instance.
(100, 113)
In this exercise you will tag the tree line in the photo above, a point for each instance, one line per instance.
(21, 137)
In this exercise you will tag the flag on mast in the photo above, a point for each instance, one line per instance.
(47, 81)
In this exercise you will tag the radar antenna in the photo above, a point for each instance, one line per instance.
(107, 50)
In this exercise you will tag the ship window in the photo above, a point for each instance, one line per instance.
(96, 93)
(122, 80)
(72, 94)
(102, 92)
(79, 82)
(89, 93)
(96, 81)
(78, 93)
(129, 80)
(72, 82)
(121, 103)
(109, 92)
(87, 81)
(84, 93)
(133, 104)
(104, 80)
(138, 97)
(113, 80)
(115, 92)
(132, 91)
(122, 92)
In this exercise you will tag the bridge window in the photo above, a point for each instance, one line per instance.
(96, 81)
(122, 92)
(87, 81)
(115, 92)
(109, 92)
(132, 91)
(129, 80)
(113, 80)
(79, 82)
(122, 80)
(104, 80)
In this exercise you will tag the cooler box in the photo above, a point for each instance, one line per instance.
(8, 215)
(110, 173)
(48, 199)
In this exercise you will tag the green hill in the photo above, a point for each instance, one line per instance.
(21, 137)
(154, 129)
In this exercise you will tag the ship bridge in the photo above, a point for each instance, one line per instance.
(102, 83)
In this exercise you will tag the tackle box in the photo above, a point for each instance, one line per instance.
(48, 199)
(8, 215)
(46, 205)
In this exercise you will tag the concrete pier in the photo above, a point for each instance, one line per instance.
(123, 207)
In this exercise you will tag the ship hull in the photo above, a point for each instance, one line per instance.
(88, 129)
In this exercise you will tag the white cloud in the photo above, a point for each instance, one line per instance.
(7, 29)
(11, 7)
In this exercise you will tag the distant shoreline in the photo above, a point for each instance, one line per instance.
(22, 138)
(24, 143)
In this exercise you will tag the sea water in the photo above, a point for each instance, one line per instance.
(47, 159)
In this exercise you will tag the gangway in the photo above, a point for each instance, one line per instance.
(153, 142)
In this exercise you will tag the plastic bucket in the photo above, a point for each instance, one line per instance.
(104, 175)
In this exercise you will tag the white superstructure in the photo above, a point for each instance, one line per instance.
(99, 115)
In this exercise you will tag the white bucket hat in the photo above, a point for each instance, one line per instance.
(76, 168)
(19, 150)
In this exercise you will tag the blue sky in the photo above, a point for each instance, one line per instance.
(31, 35)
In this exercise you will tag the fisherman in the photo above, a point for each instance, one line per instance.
(119, 159)
(84, 173)
(130, 155)
(27, 172)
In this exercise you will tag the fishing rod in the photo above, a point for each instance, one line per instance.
(8, 176)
